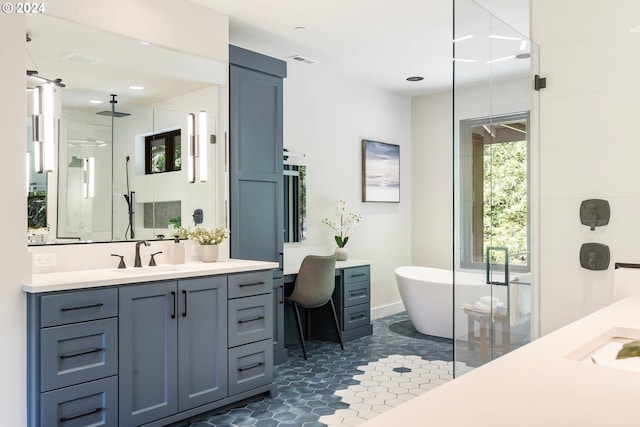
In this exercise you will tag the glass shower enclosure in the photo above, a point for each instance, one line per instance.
(494, 175)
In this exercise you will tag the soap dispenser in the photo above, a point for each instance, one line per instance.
(177, 251)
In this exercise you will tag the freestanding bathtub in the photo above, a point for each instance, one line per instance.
(427, 294)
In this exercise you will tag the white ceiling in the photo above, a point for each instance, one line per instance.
(374, 42)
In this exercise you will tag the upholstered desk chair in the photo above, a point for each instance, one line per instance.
(313, 289)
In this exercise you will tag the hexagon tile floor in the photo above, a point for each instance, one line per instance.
(334, 387)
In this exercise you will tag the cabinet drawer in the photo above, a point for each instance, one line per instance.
(356, 293)
(90, 404)
(356, 274)
(78, 353)
(355, 316)
(250, 319)
(248, 284)
(250, 366)
(78, 307)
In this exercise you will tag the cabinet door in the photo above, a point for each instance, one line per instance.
(202, 338)
(256, 178)
(148, 356)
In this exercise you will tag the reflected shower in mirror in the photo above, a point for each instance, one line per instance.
(121, 171)
(295, 211)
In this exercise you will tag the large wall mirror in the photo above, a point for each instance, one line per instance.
(135, 129)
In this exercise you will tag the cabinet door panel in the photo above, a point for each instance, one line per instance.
(148, 356)
(79, 352)
(250, 319)
(202, 337)
(93, 404)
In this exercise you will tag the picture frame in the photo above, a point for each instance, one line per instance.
(380, 172)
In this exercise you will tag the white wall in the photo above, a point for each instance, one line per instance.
(14, 259)
(590, 146)
(326, 119)
(431, 174)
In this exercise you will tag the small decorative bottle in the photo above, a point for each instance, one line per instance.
(177, 251)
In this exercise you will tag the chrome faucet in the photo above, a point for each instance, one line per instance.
(137, 262)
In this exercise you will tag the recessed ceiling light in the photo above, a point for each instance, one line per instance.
(523, 56)
(459, 39)
(493, 61)
(300, 28)
(144, 43)
(95, 101)
(136, 87)
(494, 36)
(415, 78)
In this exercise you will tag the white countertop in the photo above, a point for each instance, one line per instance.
(294, 268)
(537, 385)
(67, 280)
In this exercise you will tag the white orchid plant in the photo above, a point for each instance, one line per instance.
(342, 223)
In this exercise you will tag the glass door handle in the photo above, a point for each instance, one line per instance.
(490, 280)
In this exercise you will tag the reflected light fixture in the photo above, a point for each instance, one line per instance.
(202, 142)
(191, 159)
(43, 128)
(49, 126)
(88, 179)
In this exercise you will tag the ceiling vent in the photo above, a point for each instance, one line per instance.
(84, 59)
(303, 59)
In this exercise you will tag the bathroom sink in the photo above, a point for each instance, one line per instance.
(602, 350)
(148, 270)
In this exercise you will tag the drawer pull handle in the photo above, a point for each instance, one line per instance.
(358, 275)
(175, 302)
(95, 411)
(253, 319)
(246, 368)
(184, 313)
(81, 307)
(359, 316)
(244, 285)
(69, 356)
(357, 294)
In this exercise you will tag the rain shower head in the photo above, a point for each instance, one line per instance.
(113, 112)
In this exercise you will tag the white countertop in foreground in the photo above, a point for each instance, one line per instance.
(537, 385)
(68, 280)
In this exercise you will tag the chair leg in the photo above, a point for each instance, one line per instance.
(300, 333)
(335, 322)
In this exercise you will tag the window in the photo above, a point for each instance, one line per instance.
(494, 190)
(163, 152)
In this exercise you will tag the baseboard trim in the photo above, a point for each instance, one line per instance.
(387, 310)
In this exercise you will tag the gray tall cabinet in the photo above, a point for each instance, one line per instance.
(256, 162)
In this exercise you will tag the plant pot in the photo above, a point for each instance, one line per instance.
(209, 253)
(342, 254)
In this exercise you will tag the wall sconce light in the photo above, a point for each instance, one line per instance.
(88, 177)
(191, 157)
(202, 142)
(43, 128)
(197, 147)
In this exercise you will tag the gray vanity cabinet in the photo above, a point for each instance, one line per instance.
(173, 346)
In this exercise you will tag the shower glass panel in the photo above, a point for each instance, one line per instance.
(494, 184)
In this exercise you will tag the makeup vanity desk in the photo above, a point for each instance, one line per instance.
(351, 297)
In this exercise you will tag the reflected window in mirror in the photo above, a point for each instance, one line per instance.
(295, 212)
(163, 152)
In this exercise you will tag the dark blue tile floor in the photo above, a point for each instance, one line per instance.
(306, 390)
